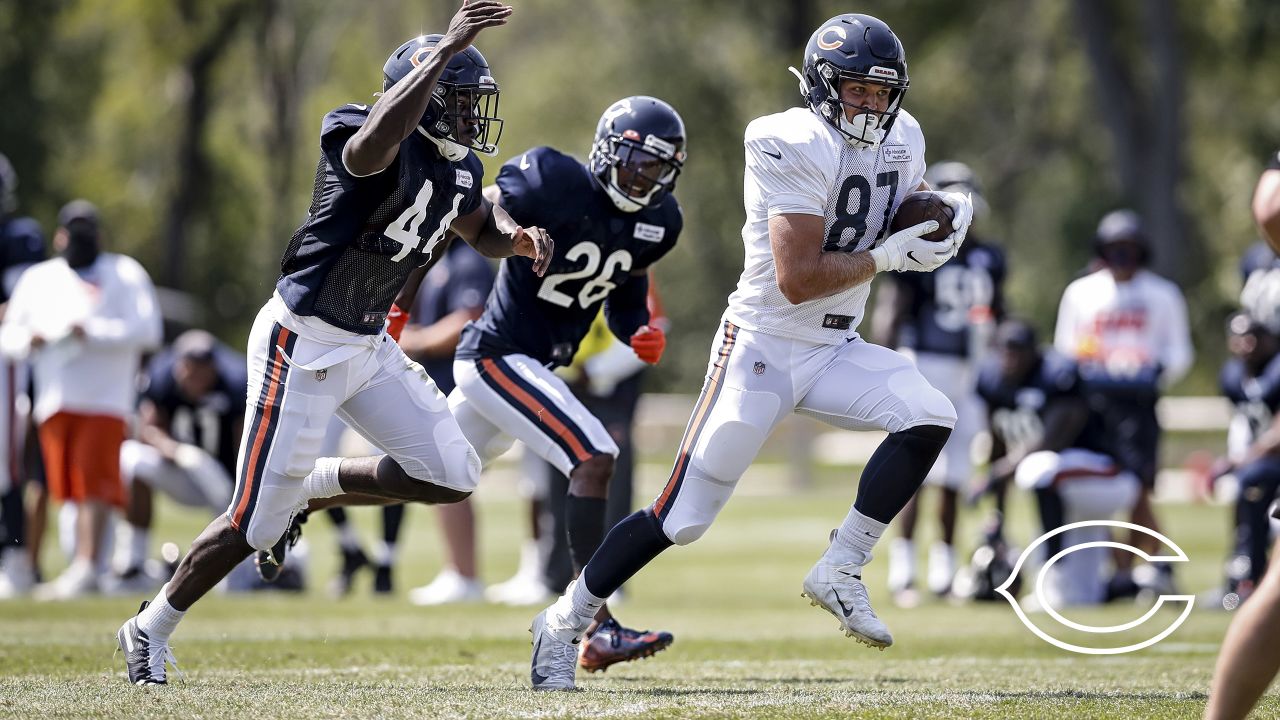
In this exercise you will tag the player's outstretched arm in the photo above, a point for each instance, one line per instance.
(398, 111)
(492, 232)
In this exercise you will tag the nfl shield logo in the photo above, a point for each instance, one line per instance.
(759, 368)
(322, 374)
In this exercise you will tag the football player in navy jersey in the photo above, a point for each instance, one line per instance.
(21, 246)
(392, 179)
(1047, 438)
(944, 318)
(1251, 381)
(613, 218)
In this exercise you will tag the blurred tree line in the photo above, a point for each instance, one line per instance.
(194, 124)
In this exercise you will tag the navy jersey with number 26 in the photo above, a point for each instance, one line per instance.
(363, 235)
(597, 247)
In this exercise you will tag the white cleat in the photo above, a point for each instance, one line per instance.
(521, 589)
(902, 565)
(16, 576)
(839, 589)
(555, 658)
(77, 581)
(449, 587)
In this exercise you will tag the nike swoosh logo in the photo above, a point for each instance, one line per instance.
(524, 161)
(775, 156)
(847, 610)
(912, 255)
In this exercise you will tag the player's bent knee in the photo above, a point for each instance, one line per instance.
(696, 506)
(922, 403)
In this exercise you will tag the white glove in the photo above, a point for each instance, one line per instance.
(962, 205)
(904, 250)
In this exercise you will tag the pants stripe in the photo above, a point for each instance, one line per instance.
(702, 410)
(537, 408)
(262, 430)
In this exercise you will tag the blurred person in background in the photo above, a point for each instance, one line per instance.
(21, 246)
(84, 319)
(1047, 440)
(1250, 655)
(1127, 329)
(190, 417)
(1250, 379)
(944, 320)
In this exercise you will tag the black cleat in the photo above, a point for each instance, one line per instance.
(144, 657)
(270, 562)
(352, 560)
(382, 579)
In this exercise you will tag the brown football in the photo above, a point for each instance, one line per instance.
(923, 206)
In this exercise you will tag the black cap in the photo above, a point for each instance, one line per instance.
(1016, 334)
(79, 215)
(194, 345)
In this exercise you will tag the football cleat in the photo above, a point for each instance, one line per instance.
(839, 590)
(144, 657)
(612, 643)
(448, 587)
(555, 658)
(270, 562)
(352, 560)
(942, 568)
(382, 584)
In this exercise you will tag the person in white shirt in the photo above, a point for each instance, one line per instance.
(821, 185)
(1127, 329)
(83, 320)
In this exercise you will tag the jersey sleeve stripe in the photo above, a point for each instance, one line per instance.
(536, 408)
(702, 410)
(262, 430)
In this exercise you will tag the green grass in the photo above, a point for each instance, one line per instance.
(747, 645)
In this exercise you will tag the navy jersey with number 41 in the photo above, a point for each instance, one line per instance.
(363, 235)
(597, 247)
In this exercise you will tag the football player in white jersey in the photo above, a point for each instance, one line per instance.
(822, 183)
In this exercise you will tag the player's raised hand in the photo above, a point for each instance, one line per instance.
(471, 18)
(534, 242)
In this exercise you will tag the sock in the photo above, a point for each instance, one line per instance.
(392, 519)
(322, 482)
(897, 469)
(160, 618)
(348, 538)
(629, 546)
(12, 517)
(139, 543)
(385, 554)
(575, 609)
(584, 522)
(1052, 516)
(854, 539)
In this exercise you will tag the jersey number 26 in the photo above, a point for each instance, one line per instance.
(595, 290)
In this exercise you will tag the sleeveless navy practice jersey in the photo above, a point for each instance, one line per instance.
(1017, 410)
(363, 235)
(943, 301)
(1254, 398)
(209, 423)
(597, 247)
(21, 245)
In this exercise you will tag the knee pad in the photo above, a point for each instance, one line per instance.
(695, 507)
(459, 461)
(921, 403)
(276, 506)
(737, 427)
(1037, 470)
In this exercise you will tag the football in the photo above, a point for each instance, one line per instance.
(923, 206)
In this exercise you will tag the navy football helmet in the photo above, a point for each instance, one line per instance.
(853, 47)
(463, 111)
(8, 187)
(638, 151)
(955, 176)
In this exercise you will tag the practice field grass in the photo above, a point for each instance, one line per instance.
(747, 645)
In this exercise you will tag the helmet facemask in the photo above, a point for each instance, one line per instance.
(868, 127)
(634, 171)
(466, 117)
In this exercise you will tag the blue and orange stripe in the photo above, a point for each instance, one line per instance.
(537, 408)
(262, 429)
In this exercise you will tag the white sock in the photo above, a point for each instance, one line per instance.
(139, 544)
(160, 618)
(348, 538)
(576, 608)
(385, 554)
(855, 539)
(322, 482)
